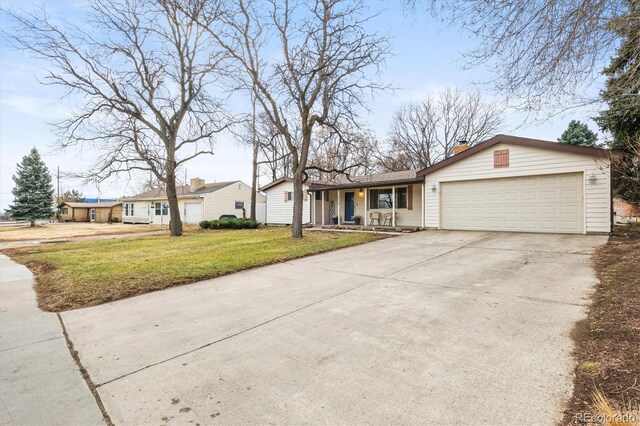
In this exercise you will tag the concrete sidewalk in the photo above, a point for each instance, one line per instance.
(41, 383)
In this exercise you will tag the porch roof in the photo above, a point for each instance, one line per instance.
(379, 179)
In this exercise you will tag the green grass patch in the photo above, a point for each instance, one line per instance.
(74, 275)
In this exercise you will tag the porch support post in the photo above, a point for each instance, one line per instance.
(366, 205)
(322, 205)
(338, 207)
(393, 206)
(312, 210)
(423, 196)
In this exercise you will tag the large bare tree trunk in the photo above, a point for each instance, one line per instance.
(175, 224)
(298, 197)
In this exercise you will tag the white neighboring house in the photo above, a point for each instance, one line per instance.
(197, 201)
(279, 195)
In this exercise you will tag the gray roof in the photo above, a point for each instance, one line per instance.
(343, 181)
(376, 179)
(182, 191)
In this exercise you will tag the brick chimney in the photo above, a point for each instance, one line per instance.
(195, 184)
(461, 146)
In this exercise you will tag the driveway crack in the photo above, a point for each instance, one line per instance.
(31, 343)
(85, 374)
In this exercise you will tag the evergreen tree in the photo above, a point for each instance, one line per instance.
(622, 117)
(578, 133)
(33, 190)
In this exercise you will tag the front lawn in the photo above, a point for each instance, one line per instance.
(74, 275)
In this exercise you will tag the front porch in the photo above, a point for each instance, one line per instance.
(368, 228)
(398, 206)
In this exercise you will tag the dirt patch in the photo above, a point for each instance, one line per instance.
(39, 266)
(608, 340)
(57, 230)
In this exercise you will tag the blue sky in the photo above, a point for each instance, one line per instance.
(427, 57)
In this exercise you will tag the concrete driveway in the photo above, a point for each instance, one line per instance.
(433, 327)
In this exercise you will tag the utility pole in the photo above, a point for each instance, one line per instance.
(58, 178)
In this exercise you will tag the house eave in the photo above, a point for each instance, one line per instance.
(354, 185)
(159, 198)
(520, 141)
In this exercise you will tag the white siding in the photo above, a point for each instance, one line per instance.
(214, 204)
(140, 212)
(223, 201)
(279, 211)
(528, 161)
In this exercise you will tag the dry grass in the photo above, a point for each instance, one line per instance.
(613, 416)
(608, 341)
(68, 230)
(81, 274)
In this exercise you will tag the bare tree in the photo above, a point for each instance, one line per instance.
(141, 71)
(272, 150)
(350, 150)
(320, 76)
(426, 132)
(541, 52)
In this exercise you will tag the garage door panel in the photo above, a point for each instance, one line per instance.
(550, 203)
(192, 213)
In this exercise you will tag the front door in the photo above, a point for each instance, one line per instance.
(349, 206)
(93, 215)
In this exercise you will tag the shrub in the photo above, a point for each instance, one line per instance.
(229, 224)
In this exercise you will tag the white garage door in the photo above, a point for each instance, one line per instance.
(549, 203)
(192, 212)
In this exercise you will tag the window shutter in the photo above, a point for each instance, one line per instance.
(410, 197)
(501, 158)
(286, 196)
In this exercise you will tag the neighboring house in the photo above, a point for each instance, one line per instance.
(625, 211)
(505, 183)
(197, 201)
(279, 195)
(101, 212)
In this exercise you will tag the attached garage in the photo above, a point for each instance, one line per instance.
(192, 212)
(516, 184)
(546, 203)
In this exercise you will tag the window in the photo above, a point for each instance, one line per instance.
(64, 210)
(239, 204)
(128, 209)
(501, 158)
(381, 198)
(401, 198)
(162, 209)
(288, 196)
(319, 195)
